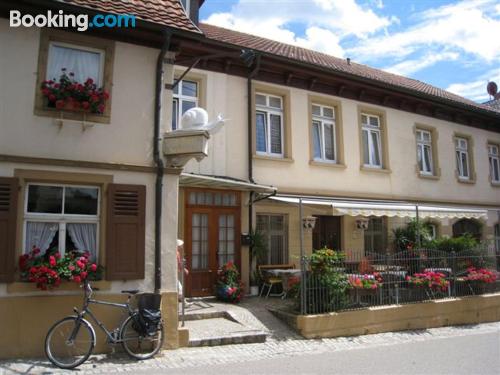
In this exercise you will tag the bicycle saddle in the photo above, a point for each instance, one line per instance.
(134, 291)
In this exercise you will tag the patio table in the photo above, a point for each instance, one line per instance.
(285, 275)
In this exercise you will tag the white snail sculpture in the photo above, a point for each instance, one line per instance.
(197, 119)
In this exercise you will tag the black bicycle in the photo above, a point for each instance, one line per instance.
(71, 340)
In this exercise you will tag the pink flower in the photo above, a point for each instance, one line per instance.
(52, 261)
(93, 267)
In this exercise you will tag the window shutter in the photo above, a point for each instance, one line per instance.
(125, 226)
(8, 216)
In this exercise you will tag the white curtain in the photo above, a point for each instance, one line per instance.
(84, 64)
(40, 235)
(84, 236)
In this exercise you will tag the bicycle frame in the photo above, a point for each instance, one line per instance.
(86, 310)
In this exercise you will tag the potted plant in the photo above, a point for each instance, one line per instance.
(259, 252)
(229, 287)
(479, 279)
(50, 269)
(68, 94)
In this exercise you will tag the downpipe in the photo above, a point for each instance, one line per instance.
(160, 166)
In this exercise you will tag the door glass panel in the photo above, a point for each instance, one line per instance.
(199, 246)
(226, 239)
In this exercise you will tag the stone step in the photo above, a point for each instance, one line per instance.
(214, 331)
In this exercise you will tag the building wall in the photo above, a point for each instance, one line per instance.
(123, 147)
(400, 182)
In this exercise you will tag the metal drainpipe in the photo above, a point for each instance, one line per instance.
(252, 74)
(160, 166)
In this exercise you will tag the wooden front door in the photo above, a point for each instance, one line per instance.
(212, 237)
(327, 232)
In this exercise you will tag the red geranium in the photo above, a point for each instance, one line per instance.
(67, 90)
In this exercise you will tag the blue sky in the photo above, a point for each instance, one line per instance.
(454, 45)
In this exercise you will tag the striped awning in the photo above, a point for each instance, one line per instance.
(219, 182)
(373, 208)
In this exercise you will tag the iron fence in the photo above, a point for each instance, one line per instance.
(360, 280)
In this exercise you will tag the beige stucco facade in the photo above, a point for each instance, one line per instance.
(118, 150)
(296, 173)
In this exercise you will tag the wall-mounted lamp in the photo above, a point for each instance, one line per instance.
(362, 223)
(309, 222)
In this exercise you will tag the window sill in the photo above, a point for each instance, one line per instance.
(469, 182)
(27, 287)
(75, 116)
(272, 158)
(376, 170)
(428, 176)
(319, 163)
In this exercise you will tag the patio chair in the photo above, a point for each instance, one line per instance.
(268, 281)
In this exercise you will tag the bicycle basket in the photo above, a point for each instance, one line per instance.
(149, 313)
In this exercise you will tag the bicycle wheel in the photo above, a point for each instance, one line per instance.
(138, 345)
(65, 352)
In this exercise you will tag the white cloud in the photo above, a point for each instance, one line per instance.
(476, 89)
(466, 27)
(326, 22)
(411, 66)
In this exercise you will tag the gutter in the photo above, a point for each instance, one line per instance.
(160, 166)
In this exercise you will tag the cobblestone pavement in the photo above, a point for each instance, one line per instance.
(281, 343)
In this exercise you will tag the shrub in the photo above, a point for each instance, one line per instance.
(405, 238)
(456, 244)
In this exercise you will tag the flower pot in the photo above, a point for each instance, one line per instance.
(254, 290)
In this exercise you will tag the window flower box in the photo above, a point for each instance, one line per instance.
(67, 94)
(49, 270)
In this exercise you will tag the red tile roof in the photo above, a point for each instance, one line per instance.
(164, 12)
(335, 64)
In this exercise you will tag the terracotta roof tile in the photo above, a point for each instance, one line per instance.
(336, 64)
(163, 12)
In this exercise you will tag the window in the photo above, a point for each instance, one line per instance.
(269, 125)
(186, 5)
(424, 152)
(497, 238)
(83, 62)
(468, 226)
(323, 128)
(371, 135)
(376, 235)
(433, 230)
(462, 155)
(494, 159)
(185, 97)
(84, 56)
(275, 231)
(62, 218)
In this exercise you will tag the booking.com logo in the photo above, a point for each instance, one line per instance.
(80, 22)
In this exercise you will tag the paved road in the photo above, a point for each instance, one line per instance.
(471, 354)
(473, 349)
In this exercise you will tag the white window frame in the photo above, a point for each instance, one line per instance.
(369, 129)
(494, 155)
(186, 6)
(179, 98)
(461, 150)
(101, 53)
(268, 111)
(324, 121)
(421, 145)
(62, 219)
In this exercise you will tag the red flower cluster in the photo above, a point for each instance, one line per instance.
(229, 287)
(483, 275)
(48, 271)
(429, 279)
(366, 281)
(69, 93)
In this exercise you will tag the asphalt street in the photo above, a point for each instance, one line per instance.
(469, 354)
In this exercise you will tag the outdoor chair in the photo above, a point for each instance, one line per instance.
(269, 280)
